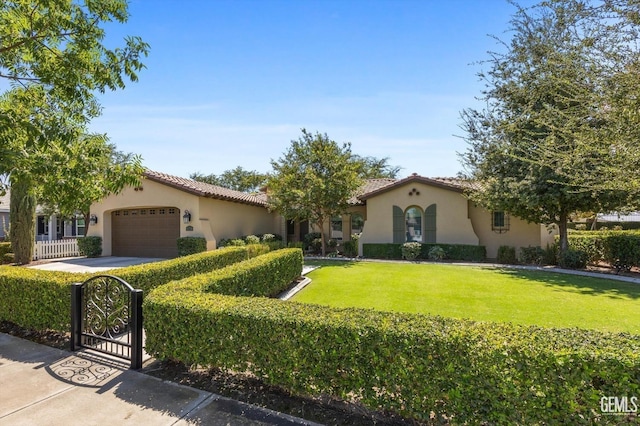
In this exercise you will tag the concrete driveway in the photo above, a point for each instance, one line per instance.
(95, 264)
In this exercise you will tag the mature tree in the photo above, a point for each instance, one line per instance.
(53, 55)
(93, 169)
(545, 108)
(237, 179)
(376, 168)
(314, 180)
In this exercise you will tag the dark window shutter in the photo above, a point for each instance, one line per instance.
(430, 224)
(398, 225)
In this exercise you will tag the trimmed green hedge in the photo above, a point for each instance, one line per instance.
(90, 246)
(620, 249)
(191, 245)
(41, 300)
(413, 365)
(451, 251)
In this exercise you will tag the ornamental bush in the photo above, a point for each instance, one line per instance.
(620, 249)
(90, 246)
(191, 245)
(573, 259)
(507, 255)
(411, 251)
(436, 253)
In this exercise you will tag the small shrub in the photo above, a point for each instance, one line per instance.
(7, 258)
(507, 255)
(411, 251)
(236, 242)
(316, 245)
(5, 248)
(191, 245)
(436, 253)
(351, 248)
(532, 255)
(550, 256)
(309, 241)
(581, 226)
(252, 239)
(332, 243)
(90, 246)
(268, 238)
(573, 259)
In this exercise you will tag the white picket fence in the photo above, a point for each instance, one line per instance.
(56, 248)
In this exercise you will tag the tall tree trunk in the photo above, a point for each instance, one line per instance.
(23, 219)
(562, 227)
(323, 250)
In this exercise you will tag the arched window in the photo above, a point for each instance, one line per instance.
(413, 224)
(357, 223)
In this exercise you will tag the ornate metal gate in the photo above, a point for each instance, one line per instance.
(106, 316)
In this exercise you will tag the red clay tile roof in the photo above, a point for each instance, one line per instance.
(207, 190)
(371, 188)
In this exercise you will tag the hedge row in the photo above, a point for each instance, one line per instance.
(451, 251)
(267, 275)
(413, 365)
(620, 249)
(41, 300)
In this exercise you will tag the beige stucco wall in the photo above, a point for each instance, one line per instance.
(452, 222)
(211, 219)
(520, 234)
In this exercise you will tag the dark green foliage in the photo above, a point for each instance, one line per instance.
(413, 365)
(464, 252)
(191, 245)
(312, 241)
(267, 275)
(573, 259)
(4, 249)
(7, 258)
(532, 255)
(90, 246)
(411, 251)
(620, 249)
(41, 300)
(507, 255)
(350, 248)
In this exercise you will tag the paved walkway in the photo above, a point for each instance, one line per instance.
(41, 385)
(91, 264)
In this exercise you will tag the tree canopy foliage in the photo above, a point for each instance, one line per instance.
(552, 139)
(314, 180)
(54, 57)
(237, 179)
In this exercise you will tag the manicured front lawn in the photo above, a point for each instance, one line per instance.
(504, 295)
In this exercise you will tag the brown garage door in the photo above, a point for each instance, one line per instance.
(148, 232)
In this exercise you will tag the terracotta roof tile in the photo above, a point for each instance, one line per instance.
(207, 190)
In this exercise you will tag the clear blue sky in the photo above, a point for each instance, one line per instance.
(231, 83)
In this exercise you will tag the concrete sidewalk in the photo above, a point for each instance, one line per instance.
(41, 385)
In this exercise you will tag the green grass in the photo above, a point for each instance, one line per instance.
(484, 294)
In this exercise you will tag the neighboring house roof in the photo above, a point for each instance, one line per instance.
(451, 184)
(202, 189)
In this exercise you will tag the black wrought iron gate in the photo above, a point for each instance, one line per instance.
(106, 316)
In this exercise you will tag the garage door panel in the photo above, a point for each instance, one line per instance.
(149, 232)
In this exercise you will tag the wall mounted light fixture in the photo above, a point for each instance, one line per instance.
(186, 217)
(93, 219)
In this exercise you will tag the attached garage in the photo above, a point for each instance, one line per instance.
(145, 232)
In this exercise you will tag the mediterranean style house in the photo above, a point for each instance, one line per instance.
(146, 220)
